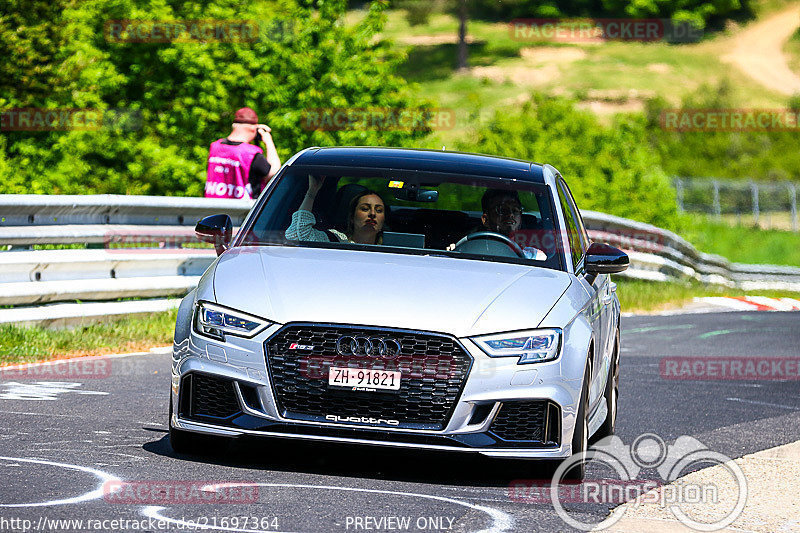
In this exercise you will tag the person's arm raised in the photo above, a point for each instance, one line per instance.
(314, 185)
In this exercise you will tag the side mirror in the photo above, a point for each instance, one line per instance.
(605, 259)
(216, 229)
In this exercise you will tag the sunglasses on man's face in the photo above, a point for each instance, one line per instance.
(505, 210)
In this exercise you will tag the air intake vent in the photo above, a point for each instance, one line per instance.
(536, 421)
(209, 397)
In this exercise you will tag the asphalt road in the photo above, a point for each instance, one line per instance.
(57, 453)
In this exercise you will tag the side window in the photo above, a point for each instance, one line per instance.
(576, 244)
(572, 229)
(578, 218)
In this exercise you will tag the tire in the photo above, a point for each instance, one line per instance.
(580, 437)
(183, 442)
(611, 394)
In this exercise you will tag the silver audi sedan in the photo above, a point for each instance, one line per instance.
(405, 298)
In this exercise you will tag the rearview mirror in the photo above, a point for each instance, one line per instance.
(416, 195)
(216, 229)
(605, 259)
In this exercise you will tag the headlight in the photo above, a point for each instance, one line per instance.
(215, 321)
(534, 346)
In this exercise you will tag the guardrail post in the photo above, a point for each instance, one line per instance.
(793, 196)
(679, 191)
(717, 208)
(754, 194)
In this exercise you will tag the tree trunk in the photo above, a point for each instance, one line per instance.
(462, 35)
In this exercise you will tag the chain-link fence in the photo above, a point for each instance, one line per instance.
(767, 205)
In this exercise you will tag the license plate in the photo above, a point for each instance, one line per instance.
(364, 379)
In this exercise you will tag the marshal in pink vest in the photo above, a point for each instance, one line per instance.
(229, 169)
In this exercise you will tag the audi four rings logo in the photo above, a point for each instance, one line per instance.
(368, 346)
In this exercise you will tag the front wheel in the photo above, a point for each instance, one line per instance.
(576, 470)
(184, 442)
(611, 394)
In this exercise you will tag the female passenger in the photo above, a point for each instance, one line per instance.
(366, 216)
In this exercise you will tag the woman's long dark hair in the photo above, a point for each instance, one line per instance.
(351, 212)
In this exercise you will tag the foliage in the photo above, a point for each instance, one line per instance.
(173, 98)
(698, 12)
(418, 12)
(608, 169)
(765, 155)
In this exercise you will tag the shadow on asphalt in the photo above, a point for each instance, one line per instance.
(368, 462)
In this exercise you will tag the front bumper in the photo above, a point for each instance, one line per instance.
(236, 376)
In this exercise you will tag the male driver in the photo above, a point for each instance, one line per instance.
(236, 168)
(502, 213)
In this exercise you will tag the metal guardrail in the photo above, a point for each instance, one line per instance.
(660, 255)
(34, 277)
(21, 210)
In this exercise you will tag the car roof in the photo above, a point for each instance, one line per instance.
(423, 160)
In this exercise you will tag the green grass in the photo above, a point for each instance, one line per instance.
(742, 244)
(24, 344)
(643, 296)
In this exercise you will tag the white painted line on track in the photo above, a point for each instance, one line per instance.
(766, 404)
(95, 494)
(501, 521)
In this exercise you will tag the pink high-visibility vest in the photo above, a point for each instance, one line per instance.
(229, 170)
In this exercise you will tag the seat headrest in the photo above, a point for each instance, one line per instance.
(341, 202)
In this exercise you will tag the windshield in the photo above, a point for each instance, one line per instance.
(393, 211)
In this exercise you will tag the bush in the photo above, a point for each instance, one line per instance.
(697, 12)
(608, 169)
(418, 12)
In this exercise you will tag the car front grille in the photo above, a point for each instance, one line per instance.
(433, 367)
(535, 421)
(205, 396)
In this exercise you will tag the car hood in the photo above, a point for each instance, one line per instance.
(457, 296)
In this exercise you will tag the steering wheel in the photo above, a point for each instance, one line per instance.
(491, 235)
